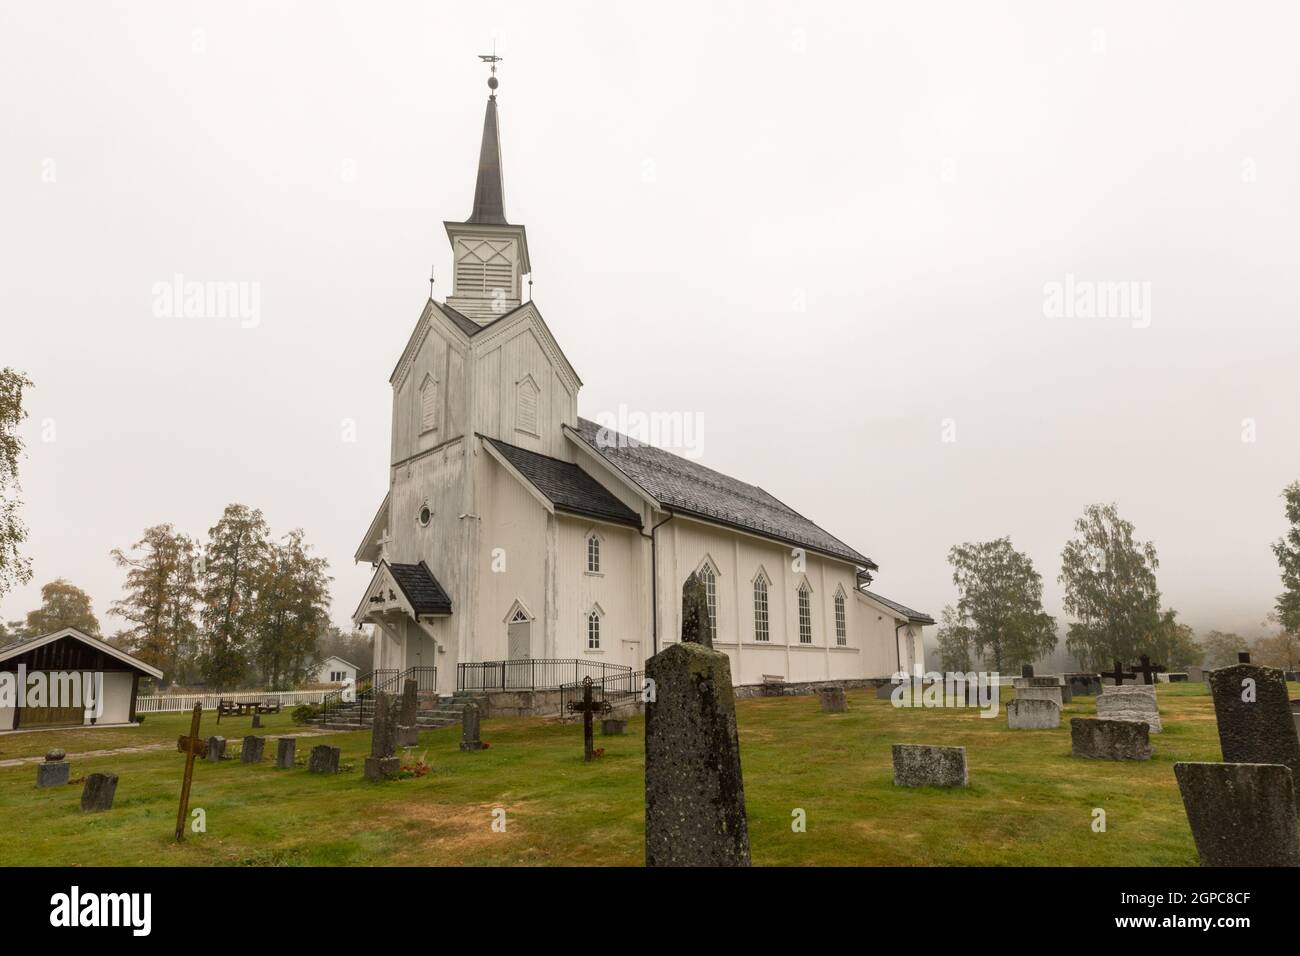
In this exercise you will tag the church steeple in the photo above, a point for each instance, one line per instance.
(490, 254)
(489, 200)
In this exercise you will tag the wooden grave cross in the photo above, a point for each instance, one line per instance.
(588, 708)
(1147, 669)
(1119, 674)
(190, 746)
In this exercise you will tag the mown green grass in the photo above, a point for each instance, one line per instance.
(1029, 802)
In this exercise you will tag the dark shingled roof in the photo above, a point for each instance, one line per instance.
(916, 617)
(691, 489)
(421, 588)
(566, 485)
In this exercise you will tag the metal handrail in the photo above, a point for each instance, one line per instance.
(629, 683)
(532, 673)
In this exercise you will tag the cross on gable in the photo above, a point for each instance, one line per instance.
(1119, 674)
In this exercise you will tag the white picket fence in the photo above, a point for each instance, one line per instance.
(171, 703)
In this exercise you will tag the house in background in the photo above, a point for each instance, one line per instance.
(70, 652)
(335, 670)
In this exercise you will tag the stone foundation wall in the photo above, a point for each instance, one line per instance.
(801, 688)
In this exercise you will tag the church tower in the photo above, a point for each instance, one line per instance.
(489, 254)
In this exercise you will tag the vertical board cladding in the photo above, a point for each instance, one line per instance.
(437, 478)
(439, 361)
(738, 559)
(616, 590)
(521, 397)
(515, 522)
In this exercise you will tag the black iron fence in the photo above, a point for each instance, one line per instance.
(533, 673)
(610, 688)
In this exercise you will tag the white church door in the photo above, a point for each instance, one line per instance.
(632, 655)
(519, 637)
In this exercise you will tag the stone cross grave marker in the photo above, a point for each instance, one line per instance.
(1119, 674)
(1254, 716)
(194, 747)
(1148, 670)
(694, 790)
(588, 708)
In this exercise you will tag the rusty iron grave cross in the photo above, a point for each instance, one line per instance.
(1147, 669)
(190, 746)
(588, 708)
(1119, 674)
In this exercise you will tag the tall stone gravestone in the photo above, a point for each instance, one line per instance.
(408, 730)
(252, 750)
(286, 750)
(1241, 814)
(216, 749)
(469, 728)
(381, 764)
(696, 627)
(1254, 716)
(694, 792)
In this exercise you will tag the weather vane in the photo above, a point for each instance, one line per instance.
(493, 59)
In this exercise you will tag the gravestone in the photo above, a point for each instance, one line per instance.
(216, 748)
(54, 771)
(1196, 674)
(253, 749)
(1109, 739)
(922, 765)
(1084, 685)
(832, 699)
(1026, 670)
(1134, 703)
(694, 790)
(97, 795)
(613, 726)
(285, 751)
(1177, 677)
(1261, 728)
(408, 730)
(885, 692)
(696, 627)
(323, 759)
(469, 728)
(257, 721)
(1241, 814)
(1029, 714)
(1052, 693)
(381, 764)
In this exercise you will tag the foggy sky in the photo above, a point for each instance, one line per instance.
(825, 229)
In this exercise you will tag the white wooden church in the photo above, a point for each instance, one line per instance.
(515, 531)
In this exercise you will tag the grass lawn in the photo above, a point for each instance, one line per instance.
(1029, 802)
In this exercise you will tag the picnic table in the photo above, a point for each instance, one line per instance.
(243, 708)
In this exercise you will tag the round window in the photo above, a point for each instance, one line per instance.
(425, 515)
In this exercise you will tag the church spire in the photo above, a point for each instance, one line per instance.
(489, 254)
(489, 199)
